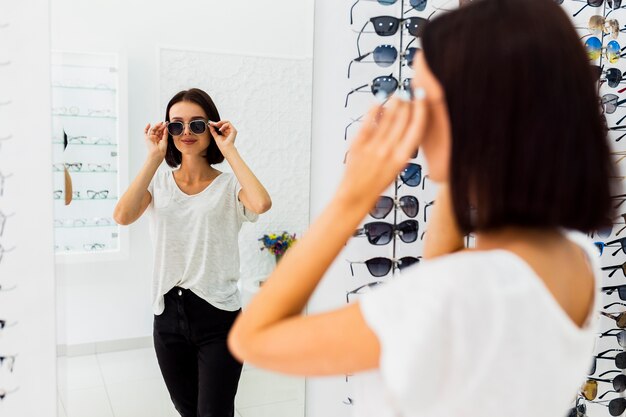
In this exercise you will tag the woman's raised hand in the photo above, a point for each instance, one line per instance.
(382, 148)
(156, 139)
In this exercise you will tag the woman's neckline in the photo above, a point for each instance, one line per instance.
(198, 193)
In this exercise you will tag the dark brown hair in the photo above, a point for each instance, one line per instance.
(528, 143)
(173, 157)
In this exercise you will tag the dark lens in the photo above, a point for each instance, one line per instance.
(595, 3)
(386, 85)
(197, 126)
(617, 406)
(419, 5)
(613, 77)
(621, 321)
(385, 25)
(620, 360)
(416, 25)
(410, 55)
(412, 175)
(410, 206)
(407, 261)
(175, 128)
(385, 55)
(378, 233)
(378, 267)
(382, 208)
(621, 291)
(387, 2)
(614, 4)
(619, 383)
(621, 338)
(408, 230)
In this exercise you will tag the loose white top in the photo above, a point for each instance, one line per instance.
(195, 239)
(474, 334)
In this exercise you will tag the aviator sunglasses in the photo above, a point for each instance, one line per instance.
(197, 127)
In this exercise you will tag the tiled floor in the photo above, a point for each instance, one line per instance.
(129, 384)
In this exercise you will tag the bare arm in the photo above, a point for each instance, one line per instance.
(272, 332)
(443, 235)
(253, 195)
(136, 199)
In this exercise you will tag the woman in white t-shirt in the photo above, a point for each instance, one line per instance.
(196, 214)
(506, 114)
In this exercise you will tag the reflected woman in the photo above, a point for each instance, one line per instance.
(196, 214)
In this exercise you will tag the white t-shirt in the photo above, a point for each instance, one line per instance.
(195, 239)
(474, 334)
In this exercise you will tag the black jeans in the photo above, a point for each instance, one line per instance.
(190, 342)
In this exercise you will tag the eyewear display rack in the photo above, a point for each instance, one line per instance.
(379, 67)
(89, 126)
(602, 394)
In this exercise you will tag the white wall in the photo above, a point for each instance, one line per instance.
(109, 301)
(25, 82)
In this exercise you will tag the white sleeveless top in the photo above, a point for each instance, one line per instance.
(474, 334)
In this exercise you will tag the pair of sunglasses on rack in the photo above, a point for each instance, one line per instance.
(197, 127)
(417, 5)
(612, 76)
(620, 359)
(621, 290)
(610, 103)
(616, 406)
(408, 204)
(381, 233)
(612, 4)
(612, 51)
(382, 87)
(362, 289)
(379, 267)
(590, 388)
(620, 318)
(600, 25)
(620, 243)
(620, 335)
(389, 25)
(385, 55)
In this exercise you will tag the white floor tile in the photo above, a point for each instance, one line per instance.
(92, 402)
(129, 365)
(141, 398)
(258, 387)
(77, 373)
(287, 409)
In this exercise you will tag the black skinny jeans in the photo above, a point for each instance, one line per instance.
(190, 342)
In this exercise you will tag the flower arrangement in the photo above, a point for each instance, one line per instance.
(276, 244)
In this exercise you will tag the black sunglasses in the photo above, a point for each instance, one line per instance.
(197, 127)
(408, 203)
(411, 175)
(379, 267)
(613, 4)
(389, 25)
(621, 291)
(616, 406)
(381, 233)
(620, 359)
(418, 5)
(385, 56)
(622, 247)
(620, 335)
(615, 268)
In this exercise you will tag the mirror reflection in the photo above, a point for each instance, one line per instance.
(172, 195)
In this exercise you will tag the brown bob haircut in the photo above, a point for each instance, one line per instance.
(529, 145)
(173, 157)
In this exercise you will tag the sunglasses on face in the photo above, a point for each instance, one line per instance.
(408, 203)
(197, 127)
(385, 56)
(362, 289)
(383, 87)
(389, 25)
(379, 267)
(417, 5)
(381, 233)
(620, 359)
(590, 389)
(613, 4)
(612, 51)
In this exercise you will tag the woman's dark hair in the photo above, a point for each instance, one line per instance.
(173, 157)
(528, 143)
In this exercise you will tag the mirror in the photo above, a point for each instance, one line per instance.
(115, 66)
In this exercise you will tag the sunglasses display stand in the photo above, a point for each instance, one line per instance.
(585, 404)
(362, 70)
(89, 154)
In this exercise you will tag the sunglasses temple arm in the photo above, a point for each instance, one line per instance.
(351, 9)
(359, 59)
(358, 39)
(621, 120)
(354, 91)
(583, 8)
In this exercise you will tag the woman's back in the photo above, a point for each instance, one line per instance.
(476, 333)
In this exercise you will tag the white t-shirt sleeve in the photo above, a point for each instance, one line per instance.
(243, 213)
